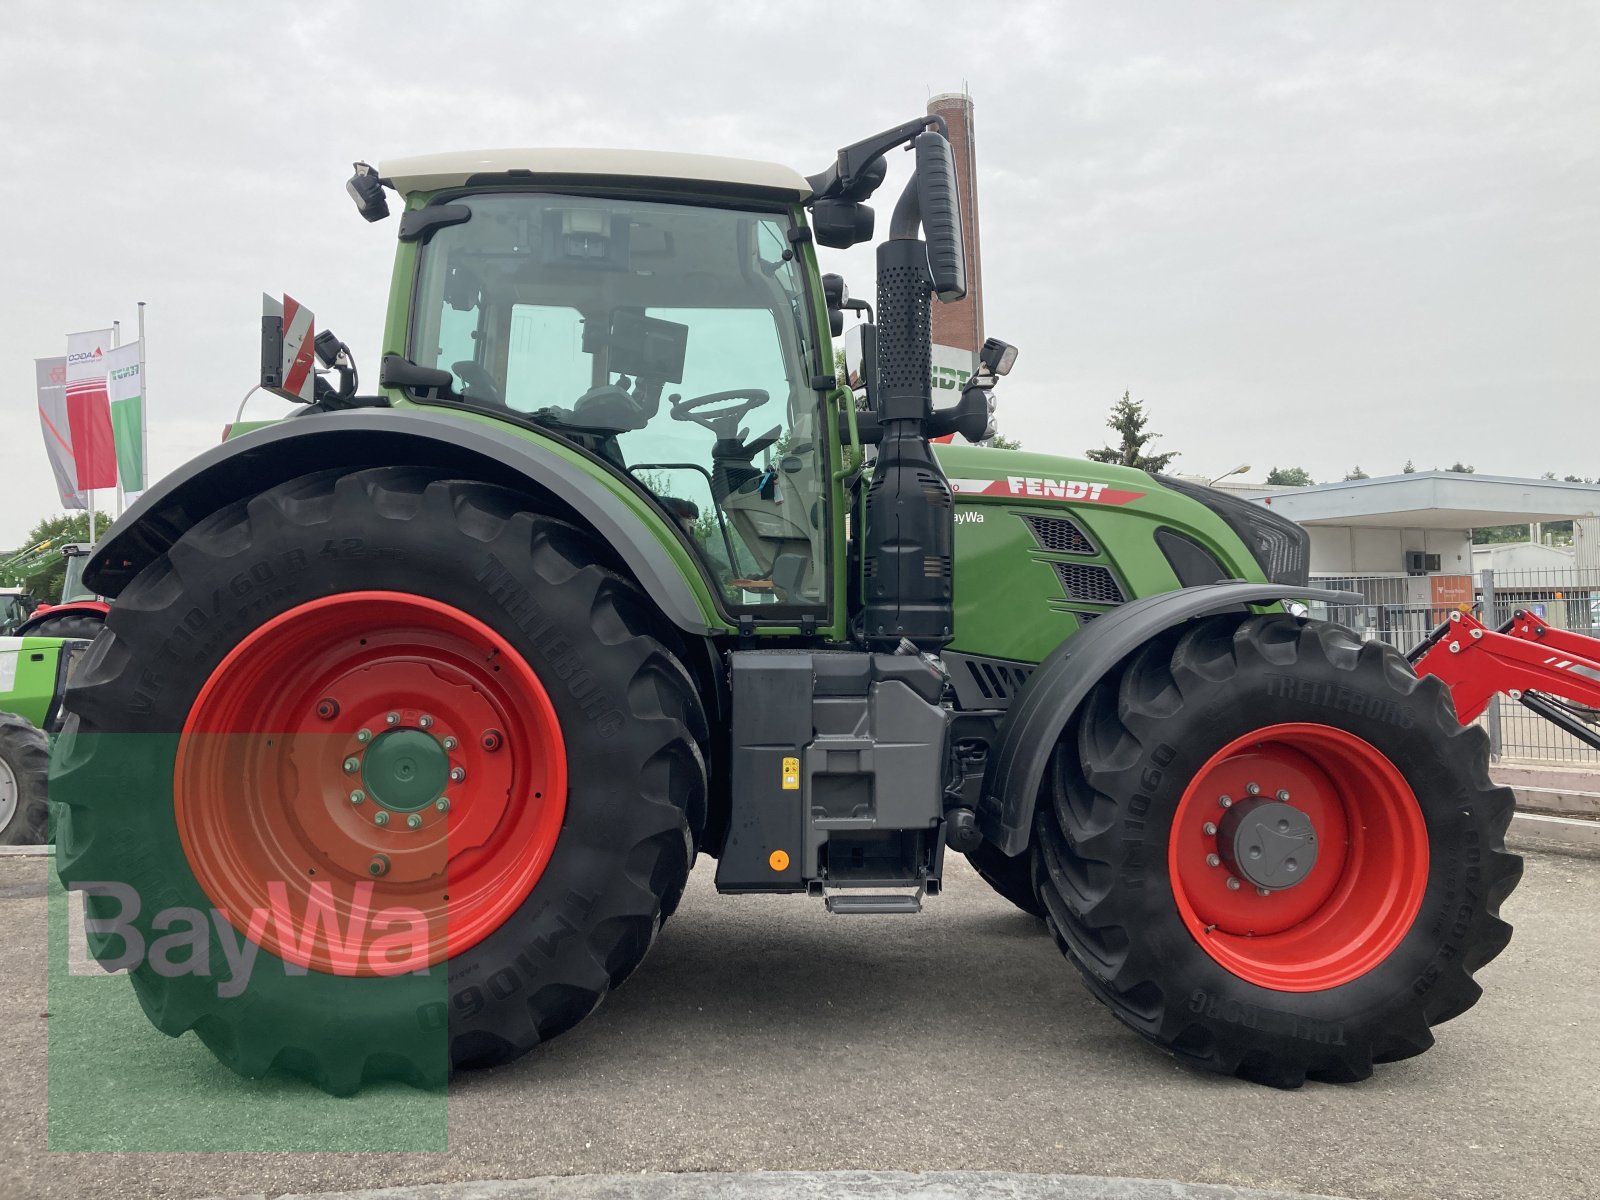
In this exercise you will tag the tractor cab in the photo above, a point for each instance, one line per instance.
(666, 328)
(73, 588)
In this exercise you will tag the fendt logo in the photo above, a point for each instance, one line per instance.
(1044, 488)
(1055, 489)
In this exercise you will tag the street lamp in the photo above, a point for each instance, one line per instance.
(1239, 470)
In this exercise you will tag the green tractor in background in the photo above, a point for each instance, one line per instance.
(612, 572)
(33, 677)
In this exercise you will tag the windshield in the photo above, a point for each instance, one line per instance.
(72, 585)
(668, 339)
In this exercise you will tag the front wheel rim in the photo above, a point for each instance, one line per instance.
(300, 780)
(1359, 838)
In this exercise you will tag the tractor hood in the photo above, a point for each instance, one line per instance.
(1045, 545)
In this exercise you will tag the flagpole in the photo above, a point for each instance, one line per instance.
(144, 408)
(116, 341)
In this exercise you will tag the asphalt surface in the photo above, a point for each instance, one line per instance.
(762, 1034)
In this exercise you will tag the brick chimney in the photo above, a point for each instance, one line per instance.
(958, 327)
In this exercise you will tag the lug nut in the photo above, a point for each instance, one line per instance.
(1261, 891)
(1233, 884)
(1225, 801)
(363, 735)
(414, 821)
(1213, 860)
(379, 865)
(1209, 829)
(1283, 795)
(352, 765)
(1253, 788)
(425, 721)
(442, 804)
(357, 796)
(457, 774)
(328, 708)
(392, 719)
(450, 743)
(380, 818)
(491, 740)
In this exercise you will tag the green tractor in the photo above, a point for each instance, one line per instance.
(33, 677)
(611, 571)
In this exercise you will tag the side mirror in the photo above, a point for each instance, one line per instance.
(366, 190)
(940, 205)
(835, 293)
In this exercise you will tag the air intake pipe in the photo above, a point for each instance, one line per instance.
(908, 545)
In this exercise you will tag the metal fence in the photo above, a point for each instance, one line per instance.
(1401, 610)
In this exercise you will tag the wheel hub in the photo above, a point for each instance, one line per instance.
(405, 770)
(1267, 843)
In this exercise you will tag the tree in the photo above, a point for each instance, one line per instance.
(1356, 473)
(1128, 419)
(1409, 469)
(1290, 477)
(1001, 442)
(1460, 468)
(41, 576)
(1491, 534)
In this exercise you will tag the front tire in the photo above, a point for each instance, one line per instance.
(380, 680)
(1274, 852)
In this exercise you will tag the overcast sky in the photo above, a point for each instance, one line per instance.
(1318, 235)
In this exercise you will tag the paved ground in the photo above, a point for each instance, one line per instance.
(762, 1034)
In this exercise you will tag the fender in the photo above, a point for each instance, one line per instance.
(360, 438)
(1059, 684)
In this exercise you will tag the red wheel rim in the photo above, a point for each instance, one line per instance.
(343, 709)
(1354, 904)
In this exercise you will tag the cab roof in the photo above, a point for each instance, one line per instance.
(429, 172)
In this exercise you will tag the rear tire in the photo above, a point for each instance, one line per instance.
(628, 719)
(68, 625)
(24, 773)
(1206, 972)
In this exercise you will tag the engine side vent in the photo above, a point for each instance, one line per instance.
(1089, 583)
(985, 682)
(1059, 535)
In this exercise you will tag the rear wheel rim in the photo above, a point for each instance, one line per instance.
(379, 754)
(1362, 868)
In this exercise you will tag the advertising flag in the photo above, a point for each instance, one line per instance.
(51, 377)
(125, 391)
(89, 409)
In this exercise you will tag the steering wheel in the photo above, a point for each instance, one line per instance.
(722, 408)
(477, 383)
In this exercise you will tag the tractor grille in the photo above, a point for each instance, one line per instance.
(1059, 535)
(1089, 583)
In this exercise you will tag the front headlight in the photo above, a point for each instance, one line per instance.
(1280, 546)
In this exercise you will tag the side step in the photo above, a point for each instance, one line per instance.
(858, 904)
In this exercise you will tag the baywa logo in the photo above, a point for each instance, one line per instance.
(85, 356)
(387, 941)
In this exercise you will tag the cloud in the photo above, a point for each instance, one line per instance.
(1374, 222)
